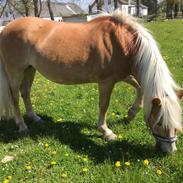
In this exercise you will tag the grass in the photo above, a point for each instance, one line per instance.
(68, 147)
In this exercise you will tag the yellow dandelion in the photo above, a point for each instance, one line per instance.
(78, 156)
(120, 137)
(127, 163)
(9, 177)
(126, 116)
(66, 154)
(46, 145)
(53, 163)
(159, 172)
(146, 162)
(6, 181)
(28, 167)
(117, 164)
(54, 152)
(60, 119)
(85, 170)
(113, 114)
(85, 160)
(64, 175)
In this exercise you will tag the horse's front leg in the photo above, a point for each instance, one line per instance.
(105, 89)
(135, 108)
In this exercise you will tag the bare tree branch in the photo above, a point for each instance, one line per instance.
(4, 7)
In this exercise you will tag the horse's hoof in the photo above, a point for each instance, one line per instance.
(111, 137)
(24, 130)
(38, 119)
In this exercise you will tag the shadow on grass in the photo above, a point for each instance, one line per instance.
(70, 134)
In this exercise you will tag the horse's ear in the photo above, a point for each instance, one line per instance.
(180, 93)
(156, 102)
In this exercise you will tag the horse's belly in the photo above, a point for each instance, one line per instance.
(70, 74)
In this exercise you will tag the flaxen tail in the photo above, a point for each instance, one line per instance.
(6, 107)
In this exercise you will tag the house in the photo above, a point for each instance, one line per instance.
(66, 11)
(127, 6)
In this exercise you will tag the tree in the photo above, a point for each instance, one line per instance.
(24, 7)
(37, 7)
(115, 4)
(50, 10)
(152, 6)
(176, 9)
(181, 7)
(172, 7)
(138, 8)
(3, 8)
(26, 4)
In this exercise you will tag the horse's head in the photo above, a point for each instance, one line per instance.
(165, 135)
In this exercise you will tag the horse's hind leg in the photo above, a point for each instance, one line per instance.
(14, 82)
(139, 98)
(105, 89)
(25, 90)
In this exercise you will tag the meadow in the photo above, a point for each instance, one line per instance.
(67, 147)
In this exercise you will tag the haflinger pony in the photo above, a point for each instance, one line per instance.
(105, 50)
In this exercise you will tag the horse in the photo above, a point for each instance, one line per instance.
(106, 50)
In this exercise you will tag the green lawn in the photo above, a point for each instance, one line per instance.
(68, 147)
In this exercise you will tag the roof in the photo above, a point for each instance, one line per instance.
(61, 9)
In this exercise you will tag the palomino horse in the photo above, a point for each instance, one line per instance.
(105, 50)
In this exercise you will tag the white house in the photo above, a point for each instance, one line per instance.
(127, 6)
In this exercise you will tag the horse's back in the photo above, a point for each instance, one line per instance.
(64, 52)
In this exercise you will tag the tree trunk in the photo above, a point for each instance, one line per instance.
(176, 9)
(50, 10)
(115, 4)
(156, 7)
(35, 7)
(169, 9)
(40, 8)
(26, 6)
(138, 8)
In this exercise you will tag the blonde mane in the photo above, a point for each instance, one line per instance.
(153, 74)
